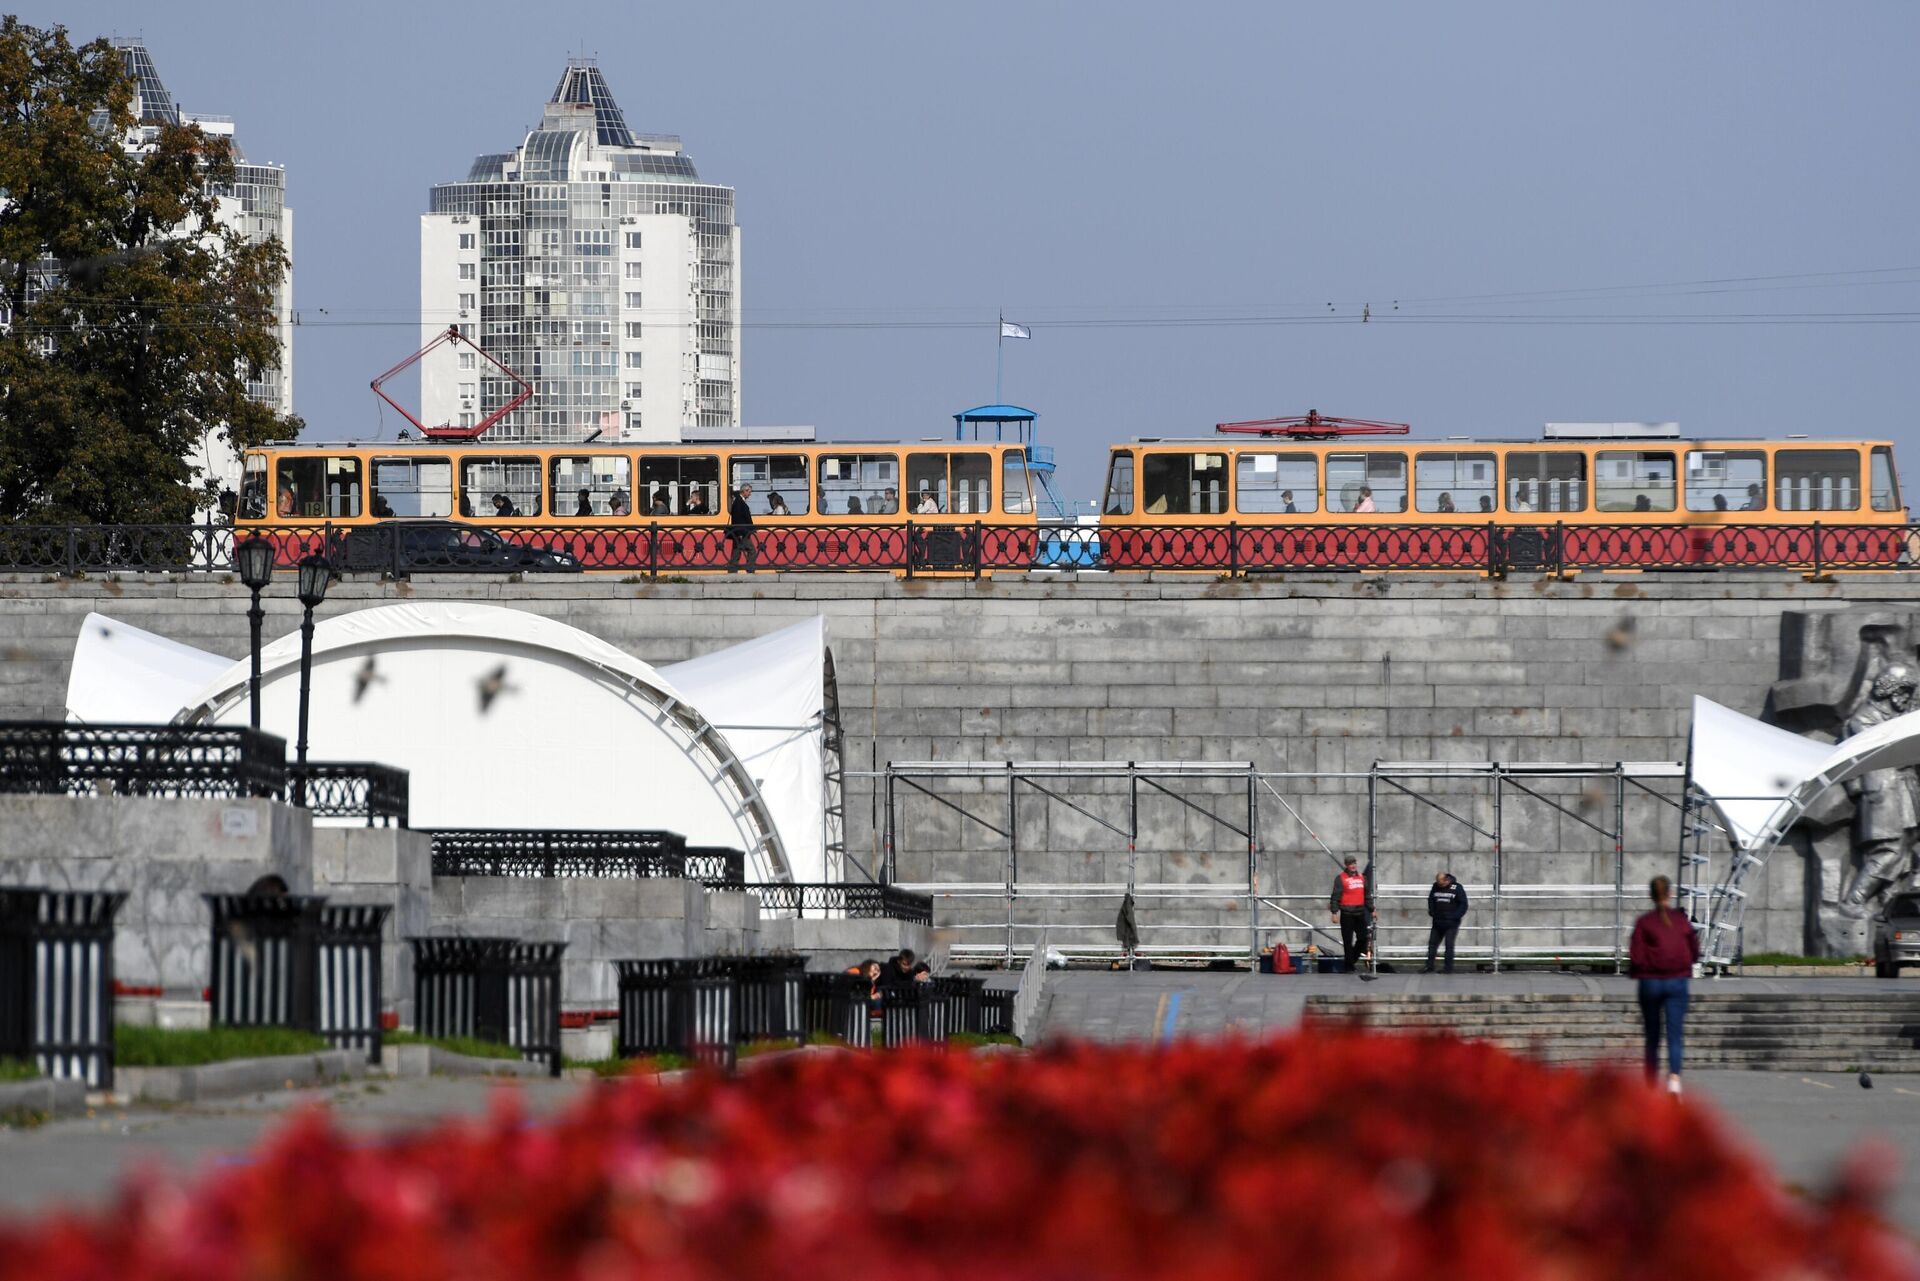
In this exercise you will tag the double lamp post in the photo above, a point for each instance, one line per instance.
(255, 558)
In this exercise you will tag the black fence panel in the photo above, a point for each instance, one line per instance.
(996, 1012)
(56, 981)
(264, 956)
(685, 1007)
(533, 1002)
(58, 757)
(958, 996)
(460, 987)
(854, 901)
(771, 992)
(349, 998)
(840, 1006)
(716, 865)
(907, 1014)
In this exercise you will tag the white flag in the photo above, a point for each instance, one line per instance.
(1010, 330)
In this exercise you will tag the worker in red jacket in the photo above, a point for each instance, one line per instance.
(1351, 903)
(1665, 945)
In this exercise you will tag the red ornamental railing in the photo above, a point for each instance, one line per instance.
(399, 548)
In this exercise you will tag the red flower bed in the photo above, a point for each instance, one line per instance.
(1329, 1154)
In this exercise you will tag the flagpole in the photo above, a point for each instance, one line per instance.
(999, 354)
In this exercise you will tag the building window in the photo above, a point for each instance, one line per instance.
(633, 240)
(1449, 482)
(633, 360)
(1721, 480)
(468, 271)
(1626, 480)
(1277, 484)
(466, 302)
(633, 391)
(633, 302)
(466, 360)
(633, 329)
(633, 271)
(466, 240)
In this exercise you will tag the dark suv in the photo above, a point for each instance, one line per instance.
(429, 545)
(1896, 935)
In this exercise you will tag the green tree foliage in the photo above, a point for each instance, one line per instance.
(136, 319)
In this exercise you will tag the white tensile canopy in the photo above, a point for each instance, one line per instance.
(504, 718)
(1760, 779)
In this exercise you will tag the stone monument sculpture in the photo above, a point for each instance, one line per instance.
(1842, 672)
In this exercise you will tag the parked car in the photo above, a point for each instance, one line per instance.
(1896, 935)
(444, 545)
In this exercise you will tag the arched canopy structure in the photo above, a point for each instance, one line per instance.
(1759, 780)
(508, 719)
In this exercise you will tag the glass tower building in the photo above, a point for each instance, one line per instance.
(594, 263)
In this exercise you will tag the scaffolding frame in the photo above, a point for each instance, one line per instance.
(1508, 784)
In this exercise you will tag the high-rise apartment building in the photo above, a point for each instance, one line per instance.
(594, 263)
(254, 204)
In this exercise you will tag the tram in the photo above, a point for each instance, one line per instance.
(660, 507)
(1586, 495)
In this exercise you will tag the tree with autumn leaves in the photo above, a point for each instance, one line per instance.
(133, 318)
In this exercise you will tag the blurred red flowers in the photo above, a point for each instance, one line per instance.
(1328, 1154)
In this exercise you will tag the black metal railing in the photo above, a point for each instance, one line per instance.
(535, 853)
(353, 789)
(264, 960)
(56, 981)
(947, 547)
(840, 1006)
(491, 989)
(59, 758)
(684, 1007)
(845, 900)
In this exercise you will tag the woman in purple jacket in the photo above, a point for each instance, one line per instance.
(1661, 956)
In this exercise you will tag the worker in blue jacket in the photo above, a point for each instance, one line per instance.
(1447, 905)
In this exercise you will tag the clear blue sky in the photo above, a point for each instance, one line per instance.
(1112, 173)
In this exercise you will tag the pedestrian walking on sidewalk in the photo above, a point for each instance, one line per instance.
(1661, 955)
(1351, 903)
(1447, 905)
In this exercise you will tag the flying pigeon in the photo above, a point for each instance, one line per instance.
(365, 678)
(492, 686)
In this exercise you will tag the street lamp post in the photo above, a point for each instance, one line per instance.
(314, 573)
(255, 559)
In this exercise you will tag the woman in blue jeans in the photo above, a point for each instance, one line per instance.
(1661, 956)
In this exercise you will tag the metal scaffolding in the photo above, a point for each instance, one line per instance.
(1229, 917)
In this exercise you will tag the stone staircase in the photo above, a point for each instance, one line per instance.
(1771, 1031)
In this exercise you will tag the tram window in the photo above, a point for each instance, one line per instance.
(253, 488)
(1383, 474)
(1453, 482)
(1119, 499)
(487, 479)
(779, 482)
(1280, 484)
(1818, 480)
(413, 487)
(603, 481)
(1628, 480)
(1546, 481)
(1721, 480)
(679, 485)
(1886, 490)
(1184, 484)
(859, 484)
(953, 484)
(318, 488)
(1016, 495)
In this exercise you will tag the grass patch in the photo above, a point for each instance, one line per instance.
(968, 1039)
(22, 1118)
(750, 1049)
(472, 1047)
(1788, 958)
(625, 1067)
(18, 1070)
(191, 1047)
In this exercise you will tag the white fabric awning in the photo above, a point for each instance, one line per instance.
(1760, 779)
(121, 673)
